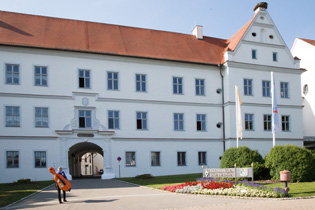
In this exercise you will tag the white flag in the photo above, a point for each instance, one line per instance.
(238, 102)
(275, 123)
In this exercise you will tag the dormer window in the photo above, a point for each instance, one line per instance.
(275, 56)
(254, 54)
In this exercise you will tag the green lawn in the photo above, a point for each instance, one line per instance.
(12, 192)
(302, 189)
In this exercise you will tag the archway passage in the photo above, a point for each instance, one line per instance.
(86, 160)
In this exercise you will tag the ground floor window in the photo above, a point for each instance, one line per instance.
(155, 159)
(202, 158)
(40, 159)
(181, 158)
(130, 159)
(12, 159)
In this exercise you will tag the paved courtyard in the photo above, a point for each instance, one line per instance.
(112, 194)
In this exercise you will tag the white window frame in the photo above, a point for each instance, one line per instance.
(6, 116)
(285, 90)
(179, 85)
(204, 157)
(177, 121)
(275, 56)
(248, 87)
(253, 122)
(159, 159)
(41, 117)
(85, 118)
(41, 76)
(114, 118)
(112, 81)
(269, 122)
(6, 159)
(85, 78)
(142, 83)
(266, 91)
(178, 156)
(12, 74)
(135, 160)
(39, 167)
(286, 122)
(200, 88)
(143, 119)
(202, 121)
(254, 54)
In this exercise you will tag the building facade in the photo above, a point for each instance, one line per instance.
(304, 49)
(147, 101)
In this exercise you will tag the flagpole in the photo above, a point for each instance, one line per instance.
(274, 139)
(236, 120)
(274, 110)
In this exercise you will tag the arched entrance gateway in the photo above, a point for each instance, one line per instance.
(86, 153)
(86, 160)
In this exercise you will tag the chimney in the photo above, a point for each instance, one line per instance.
(197, 31)
(261, 6)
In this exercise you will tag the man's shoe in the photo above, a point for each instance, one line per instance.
(64, 200)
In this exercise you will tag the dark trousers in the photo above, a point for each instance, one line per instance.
(59, 195)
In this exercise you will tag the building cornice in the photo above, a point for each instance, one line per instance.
(23, 95)
(263, 67)
(29, 137)
(264, 105)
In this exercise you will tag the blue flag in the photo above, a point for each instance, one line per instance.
(275, 123)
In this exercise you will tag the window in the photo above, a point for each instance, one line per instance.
(249, 122)
(181, 158)
(12, 159)
(178, 122)
(112, 80)
(202, 158)
(266, 87)
(275, 56)
(84, 79)
(177, 85)
(141, 120)
(140, 83)
(40, 159)
(254, 54)
(201, 122)
(284, 89)
(12, 74)
(155, 159)
(40, 75)
(248, 87)
(130, 159)
(113, 119)
(12, 116)
(267, 122)
(85, 119)
(41, 117)
(200, 87)
(285, 123)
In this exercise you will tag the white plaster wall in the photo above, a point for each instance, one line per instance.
(168, 149)
(306, 52)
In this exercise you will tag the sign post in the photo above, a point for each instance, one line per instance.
(119, 159)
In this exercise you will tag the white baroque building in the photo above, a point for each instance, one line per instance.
(163, 102)
(304, 49)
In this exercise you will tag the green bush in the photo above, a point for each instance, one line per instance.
(144, 176)
(298, 160)
(244, 157)
(23, 181)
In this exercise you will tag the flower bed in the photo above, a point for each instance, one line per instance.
(226, 187)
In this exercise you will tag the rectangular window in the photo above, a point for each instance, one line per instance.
(141, 120)
(85, 119)
(285, 123)
(12, 116)
(249, 122)
(200, 87)
(177, 85)
(40, 159)
(41, 117)
(40, 76)
(130, 159)
(248, 87)
(181, 158)
(267, 122)
(140, 83)
(202, 158)
(254, 54)
(155, 159)
(12, 74)
(12, 159)
(201, 122)
(113, 119)
(275, 56)
(112, 80)
(284, 89)
(84, 79)
(266, 87)
(178, 122)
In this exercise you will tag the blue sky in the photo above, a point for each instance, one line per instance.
(219, 18)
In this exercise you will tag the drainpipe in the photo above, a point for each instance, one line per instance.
(223, 113)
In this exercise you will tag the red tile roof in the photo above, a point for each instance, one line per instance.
(63, 34)
(312, 42)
